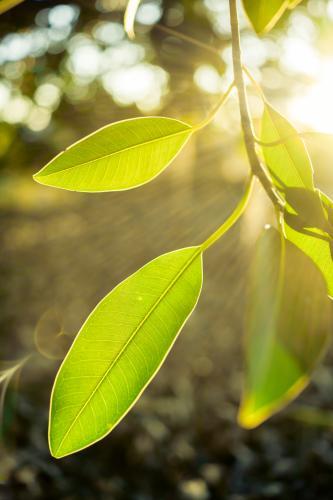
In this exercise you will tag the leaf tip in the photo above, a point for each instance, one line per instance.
(36, 177)
(54, 453)
(249, 418)
(54, 447)
(59, 452)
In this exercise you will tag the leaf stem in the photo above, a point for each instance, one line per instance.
(190, 40)
(256, 167)
(215, 109)
(278, 142)
(232, 219)
(311, 416)
(254, 82)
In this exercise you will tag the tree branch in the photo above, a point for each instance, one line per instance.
(256, 167)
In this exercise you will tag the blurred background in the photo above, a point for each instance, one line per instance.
(67, 68)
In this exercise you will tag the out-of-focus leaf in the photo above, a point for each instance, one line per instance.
(120, 156)
(7, 137)
(8, 4)
(289, 162)
(315, 241)
(264, 14)
(307, 209)
(328, 206)
(289, 321)
(318, 247)
(120, 348)
(293, 3)
(7, 372)
(129, 18)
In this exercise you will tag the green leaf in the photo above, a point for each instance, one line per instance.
(120, 156)
(120, 348)
(264, 14)
(328, 207)
(307, 222)
(289, 162)
(288, 325)
(307, 209)
(315, 239)
(293, 3)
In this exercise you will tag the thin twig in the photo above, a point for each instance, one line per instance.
(254, 82)
(220, 103)
(256, 167)
(233, 218)
(189, 39)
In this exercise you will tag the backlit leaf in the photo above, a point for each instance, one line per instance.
(120, 348)
(120, 156)
(7, 372)
(307, 222)
(315, 240)
(328, 206)
(289, 321)
(264, 14)
(293, 3)
(289, 162)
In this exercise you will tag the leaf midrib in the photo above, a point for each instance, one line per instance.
(121, 352)
(109, 155)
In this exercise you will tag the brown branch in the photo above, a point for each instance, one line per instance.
(256, 167)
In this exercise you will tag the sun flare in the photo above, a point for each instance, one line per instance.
(314, 108)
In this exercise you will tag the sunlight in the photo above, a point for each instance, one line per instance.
(315, 107)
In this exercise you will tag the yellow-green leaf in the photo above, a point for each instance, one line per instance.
(315, 239)
(289, 322)
(120, 156)
(307, 222)
(120, 348)
(264, 14)
(288, 162)
(293, 3)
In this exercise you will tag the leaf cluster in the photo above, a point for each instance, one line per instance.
(126, 338)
